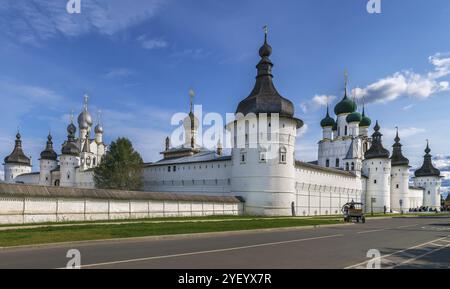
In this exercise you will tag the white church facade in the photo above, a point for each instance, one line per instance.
(352, 163)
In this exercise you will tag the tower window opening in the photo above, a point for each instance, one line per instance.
(337, 163)
(353, 166)
(327, 163)
(375, 181)
(283, 155)
(346, 130)
(346, 166)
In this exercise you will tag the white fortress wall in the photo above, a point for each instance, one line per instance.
(20, 204)
(321, 191)
(210, 177)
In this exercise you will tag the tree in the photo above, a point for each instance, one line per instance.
(121, 167)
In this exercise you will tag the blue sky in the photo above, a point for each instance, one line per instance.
(137, 60)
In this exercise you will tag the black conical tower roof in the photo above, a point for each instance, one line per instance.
(17, 156)
(427, 169)
(397, 158)
(49, 153)
(377, 150)
(264, 97)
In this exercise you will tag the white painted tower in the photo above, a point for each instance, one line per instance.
(400, 200)
(47, 163)
(429, 178)
(17, 163)
(263, 171)
(69, 159)
(377, 167)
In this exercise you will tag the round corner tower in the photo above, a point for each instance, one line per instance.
(399, 178)
(47, 163)
(377, 167)
(429, 178)
(263, 154)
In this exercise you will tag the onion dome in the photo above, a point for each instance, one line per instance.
(365, 121)
(264, 97)
(17, 156)
(397, 158)
(427, 169)
(327, 121)
(70, 147)
(85, 118)
(346, 105)
(49, 153)
(354, 117)
(376, 149)
(98, 128)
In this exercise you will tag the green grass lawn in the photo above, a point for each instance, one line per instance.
(96, 232)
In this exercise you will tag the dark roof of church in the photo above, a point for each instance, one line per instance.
(17, 156)
(264, 97)
(397, 158)
(427, 169)
(376, 149)
(70, 147)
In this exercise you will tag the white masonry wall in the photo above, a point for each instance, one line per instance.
(324, 193)
(211, 178)
(37, 210)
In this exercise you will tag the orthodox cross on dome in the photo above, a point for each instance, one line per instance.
(71, 116)
(266, 31)
(345, 80)
(99, 116)
(86, 98)
(191, 98)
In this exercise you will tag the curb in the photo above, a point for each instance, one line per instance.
(169, 237)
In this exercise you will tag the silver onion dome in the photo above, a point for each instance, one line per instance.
(85, 118)
(98, 128)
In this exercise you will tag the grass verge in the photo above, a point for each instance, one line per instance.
(98, 232)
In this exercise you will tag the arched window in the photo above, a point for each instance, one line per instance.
(346, 130)
(337, 163)
(327, 163)
(282, 155)
(346, 166)
(353, 166)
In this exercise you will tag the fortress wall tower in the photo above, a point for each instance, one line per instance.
(263, 171)
(69, 159)
(16, 163)
(400, 197)
(47, 163)
(429, 178)
(377, 167)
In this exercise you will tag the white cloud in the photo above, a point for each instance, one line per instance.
(403, 132)
(152, 43)
(316, 102)
(32, 21)
(408, 83)
(115, 73)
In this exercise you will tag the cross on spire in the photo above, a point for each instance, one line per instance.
(191, 98)
(266, 31)
(345, 80)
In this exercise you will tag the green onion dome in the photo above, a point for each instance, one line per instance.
(354, 117)
(346, 105)
(365, 121)
(327, 121)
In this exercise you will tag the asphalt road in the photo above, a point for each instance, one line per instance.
(402, 243)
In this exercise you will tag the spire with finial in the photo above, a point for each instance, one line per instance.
(49, 153)
(397, 158)
(191, 99)
(85, 103)
(376, 149)
(18, 156)
(427, 169)
(264, 98)
(345, 82)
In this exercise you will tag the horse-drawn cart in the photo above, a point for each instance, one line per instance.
(353, 212)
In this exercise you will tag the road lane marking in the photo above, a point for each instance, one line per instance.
(420, 256)
(206, 252)
(385, 229)
(397, 252)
